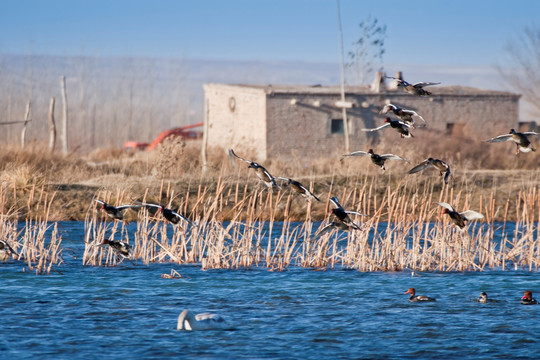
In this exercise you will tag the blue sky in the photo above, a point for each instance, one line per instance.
(451, 33)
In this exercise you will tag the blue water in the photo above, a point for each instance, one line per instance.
(129, 311)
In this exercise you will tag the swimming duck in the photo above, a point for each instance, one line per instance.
(527, 298)
(299, 188)
(6, 250)
(417, 298)
(170, 215)
(521, 140)
(204, 321)
(260, 171)
(401, 127)
(121, 248)
(460, 218)
(376, 158)
(404, 115)
(415, 89)
(440, 165)
(115, 212)
(483, 298)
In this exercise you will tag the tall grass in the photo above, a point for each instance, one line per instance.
(403, 231)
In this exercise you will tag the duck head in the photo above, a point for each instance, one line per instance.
(387, 120)
(410, 291)
(527, 295)
(370, 151)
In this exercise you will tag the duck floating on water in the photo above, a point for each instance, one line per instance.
(417, 298)
(260, 171)
(521, 140)
(401, 127)
(115, 212)
(299, 188)
(170, 215)
(416, 88)
(440, 165)
(459, 218)
(528, 299)
(377, 159)
(407, 116)
(204, 321)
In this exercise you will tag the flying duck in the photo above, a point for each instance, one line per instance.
(415, 89)
(519, 138)
(299, 188)
(401, 127)
(170, 215)
(376, 158)
(204, 321)
(121, 248)
(6, 250)
(342, 219)
(417, 298)
(404, 115)
(261, 172)
(459, 218)
(527, 298)
(440, 165)
(115, 212)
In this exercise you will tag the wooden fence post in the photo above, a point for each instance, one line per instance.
(64, 116)
(52, 126)
(26, 119)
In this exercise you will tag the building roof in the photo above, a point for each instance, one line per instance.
(365, 90)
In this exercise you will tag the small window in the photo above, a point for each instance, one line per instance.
(336, 126)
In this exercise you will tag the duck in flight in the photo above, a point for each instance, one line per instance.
(377, 159)
(521, 139)
(443, 167)
(299, 188)
(170, 215)
(121, 248)
(407, 116)
(260, 171)
(342, 219)
(415, 89)
(460, 218)
(115, 212)
(401, 127)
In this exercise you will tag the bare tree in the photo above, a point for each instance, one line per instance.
(366, 57)
(523, 74)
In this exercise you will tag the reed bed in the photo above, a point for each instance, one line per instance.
(404, 230)
(36, 243)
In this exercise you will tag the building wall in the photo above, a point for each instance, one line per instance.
(269, 123)
(237, 119)
(304, 129)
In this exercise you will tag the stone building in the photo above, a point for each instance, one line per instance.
(282, 120)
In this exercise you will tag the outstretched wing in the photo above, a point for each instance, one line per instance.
(122, 207)
(231, 152)
(379, 128)
(336, 203)
(423, 165)
(357, 153)
(355, 213)
(500, 138)
(531, 133)
(422, 84)
(414, 113)
(101, 202)
(472, 215)
(446, 206)
(183, 218)
(393, 157)
(323, 229)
